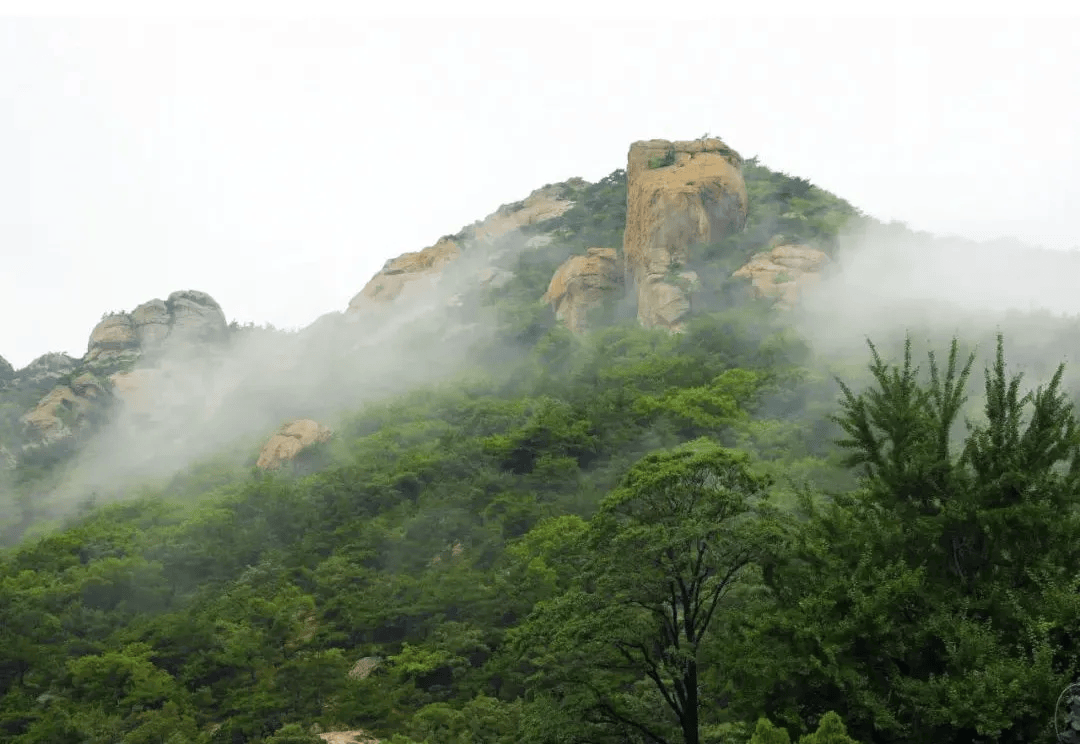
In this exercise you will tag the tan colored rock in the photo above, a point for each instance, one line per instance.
(388, 284)
(419, 271)
(113, 336)
(678, 194)
(56, 415)
(784, 271)
(289, 440)
(348, 737)
(539, 206)
(580, 283)
(151, 322)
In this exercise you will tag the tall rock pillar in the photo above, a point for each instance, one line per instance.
(678, 194)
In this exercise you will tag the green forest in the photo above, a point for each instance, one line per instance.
(624, 536)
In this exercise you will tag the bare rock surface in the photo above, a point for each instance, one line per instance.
(417, 273)
(580, 283)
(64, 409)
(784, 272)
(187, 316)
(46, 367)
(348, 737)
(112, 337)
(678, 194)
(289, 440)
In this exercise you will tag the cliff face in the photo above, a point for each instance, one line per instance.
(579, 285)
(678, 194)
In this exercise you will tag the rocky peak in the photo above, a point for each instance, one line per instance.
(678, 194)
(186, 316)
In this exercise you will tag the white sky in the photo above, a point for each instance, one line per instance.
(276, 164)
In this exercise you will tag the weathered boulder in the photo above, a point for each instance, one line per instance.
(364, 666)
(151, 321)
(784, 271)
(195, 317)
(349, 737)
(289, 440)
(678, 194)
(112, 338)
(580, 283)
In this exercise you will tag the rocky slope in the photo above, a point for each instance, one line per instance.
(78, 393)
(412, 275)
(630, 242)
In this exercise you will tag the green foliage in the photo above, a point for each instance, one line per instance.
(666, 548)
(576, 545)
(668, 158)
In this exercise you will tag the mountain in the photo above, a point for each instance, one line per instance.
(499, 495)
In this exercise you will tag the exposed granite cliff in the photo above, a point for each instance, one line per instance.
(678, 194)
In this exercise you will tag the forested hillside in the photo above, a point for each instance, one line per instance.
(725, 534)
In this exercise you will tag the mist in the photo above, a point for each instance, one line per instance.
(201, 401)
(888, 283)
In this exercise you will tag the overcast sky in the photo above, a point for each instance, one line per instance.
(278, 164)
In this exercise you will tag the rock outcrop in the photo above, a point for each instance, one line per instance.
(580, 284)
(678, 194)
(44, 369)
(539, 206)
(112, 338)
(64, 409)
(784, 271)
(422, 267)
(187, 316)
(289, 440)
(348, 737)
(411, 274)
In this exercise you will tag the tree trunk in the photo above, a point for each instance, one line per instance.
(690, 711)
